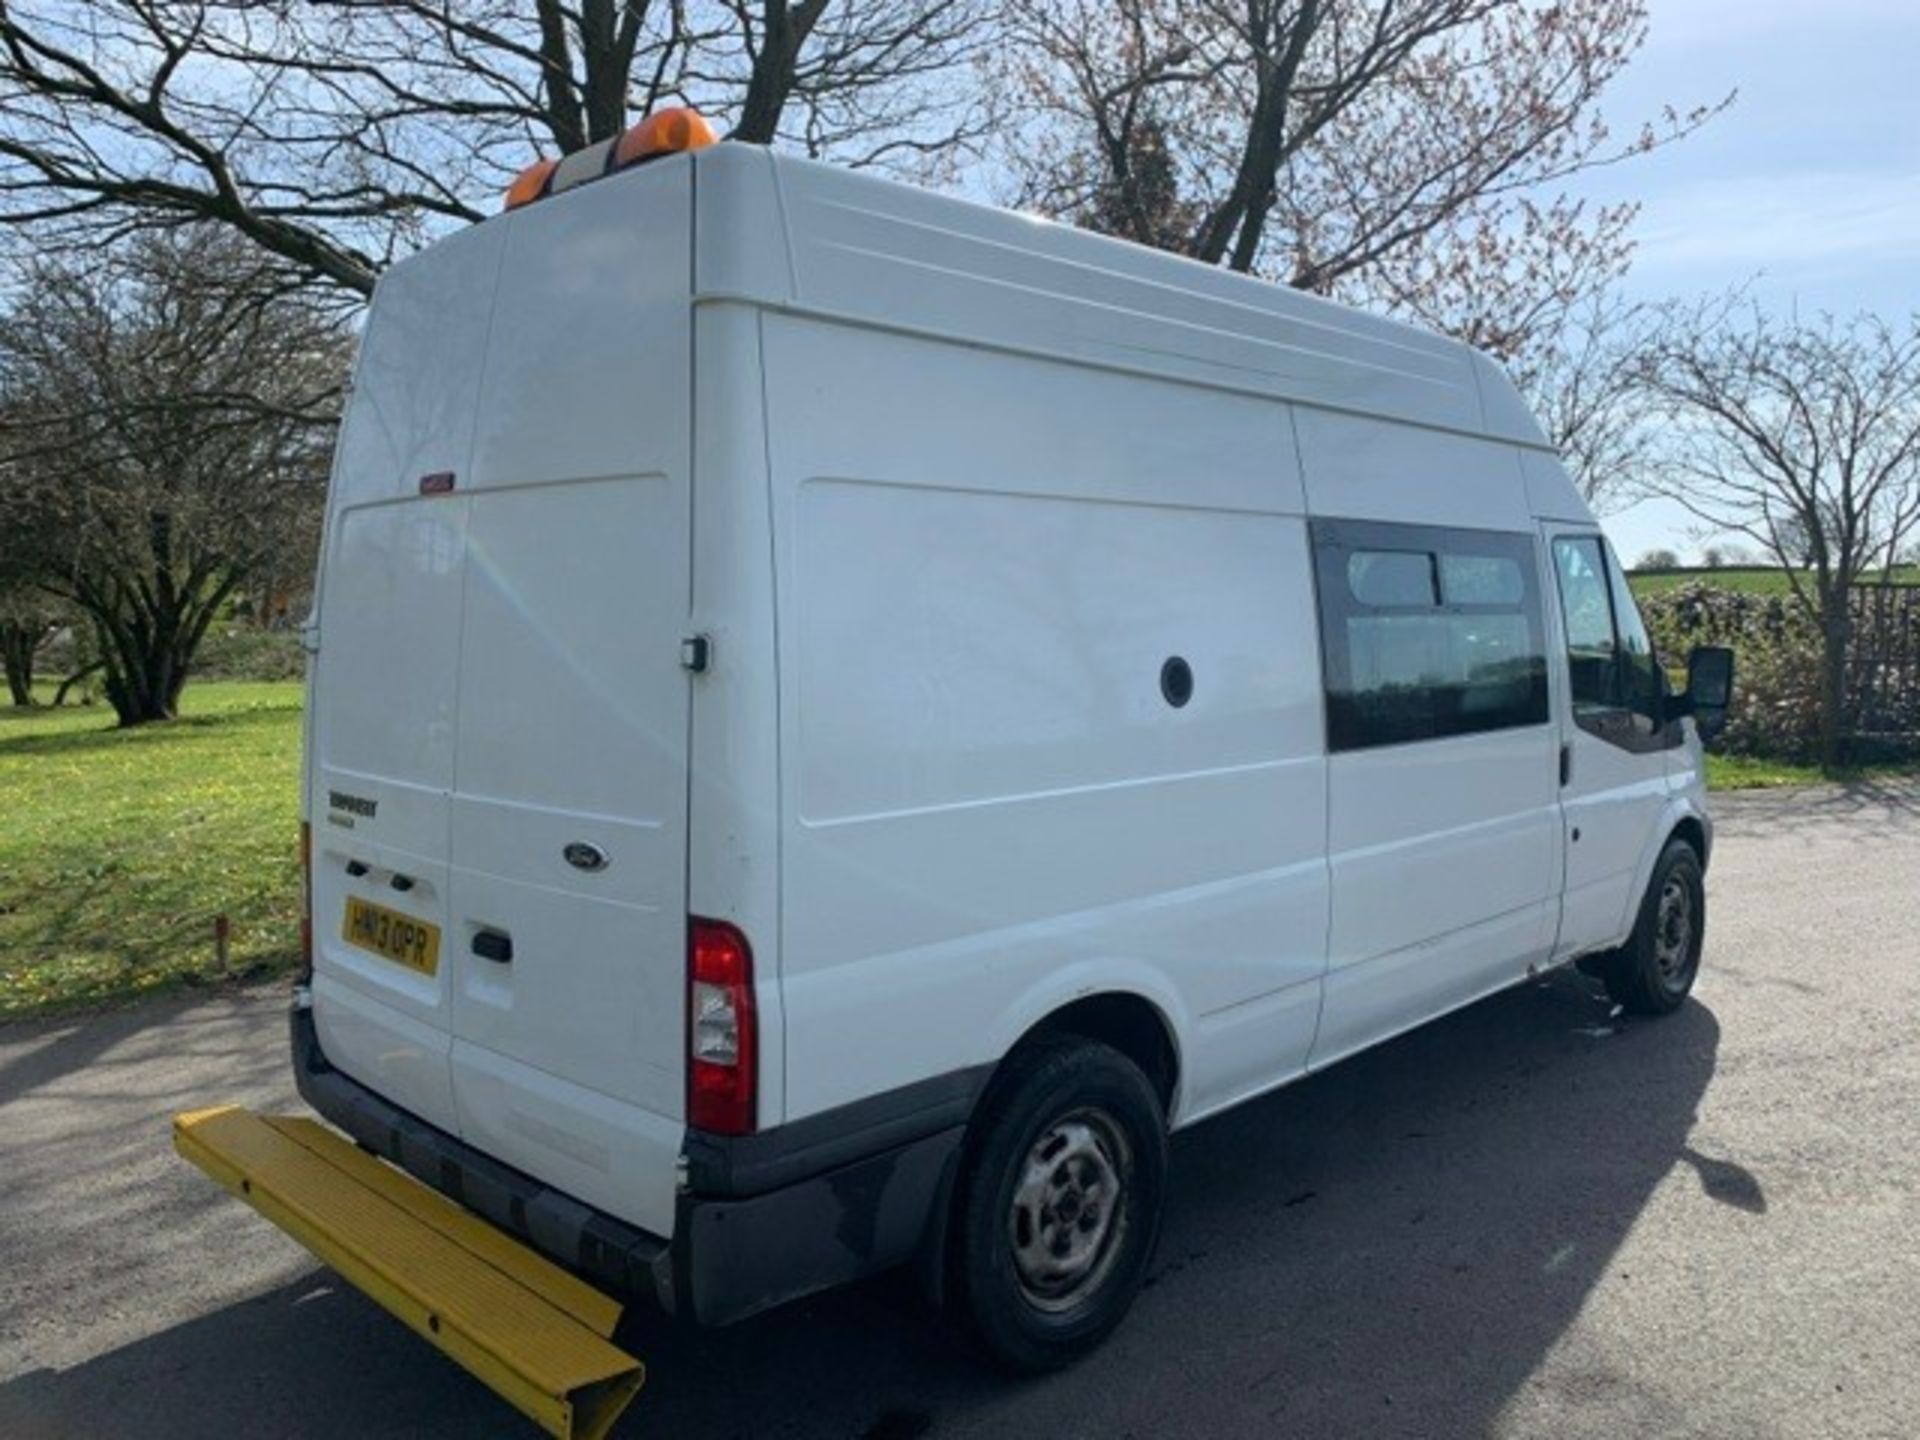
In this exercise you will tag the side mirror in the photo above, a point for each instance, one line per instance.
(1709, 688)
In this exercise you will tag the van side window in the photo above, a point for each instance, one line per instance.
(1617, 688)
(1587, 603)
(1427, 633)
(1642, 685)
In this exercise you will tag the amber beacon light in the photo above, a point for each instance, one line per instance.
(665, 132)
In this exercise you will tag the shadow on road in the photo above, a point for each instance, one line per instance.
(1813, 807)
(1389, 1248)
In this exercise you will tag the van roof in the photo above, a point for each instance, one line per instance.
(798, 235)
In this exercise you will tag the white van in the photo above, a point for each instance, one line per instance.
(840, 716)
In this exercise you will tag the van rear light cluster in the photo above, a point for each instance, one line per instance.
(722, 1039)
(306, 903)
(665, 132)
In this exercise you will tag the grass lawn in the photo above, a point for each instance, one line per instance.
(1756, 580)
(1741, 772)
(118, 848)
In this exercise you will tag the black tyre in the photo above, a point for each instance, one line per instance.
(1058, 1204)
(1652, 973)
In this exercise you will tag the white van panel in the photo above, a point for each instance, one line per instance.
(586, 371)
(568, 1059)
(1550, 491)
(866, 249)
(1506, 412)
(418, 371)
(987, 796)
(733, 754)
(1368, 1003)
(1445, 858)
(393, 619)
(374, 1039)
(570, 731)
(1361, 468)
(961, 648)
(382, 738)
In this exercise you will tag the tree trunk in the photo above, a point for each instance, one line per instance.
(60, 695)
(1836, 636)
(142, 682)
(771, 84)
(17, 644)
(147, 644)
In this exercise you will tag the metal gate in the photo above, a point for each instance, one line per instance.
(1884, 668)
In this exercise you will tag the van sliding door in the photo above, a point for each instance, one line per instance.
(1441, 786)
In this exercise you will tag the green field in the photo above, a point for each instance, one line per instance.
(119, 847)
(1756, 580)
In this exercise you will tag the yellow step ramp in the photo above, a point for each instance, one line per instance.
(535, 1334)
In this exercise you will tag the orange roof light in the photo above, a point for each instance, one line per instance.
(530, 184)
(665, 132)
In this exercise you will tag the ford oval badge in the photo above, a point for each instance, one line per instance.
(585, 856)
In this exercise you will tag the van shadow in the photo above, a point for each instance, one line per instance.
(1389, 1248)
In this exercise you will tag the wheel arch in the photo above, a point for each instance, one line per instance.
(1131, 1024)
(1693, 830)
(1681, 819)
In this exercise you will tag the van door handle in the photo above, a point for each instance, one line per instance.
(493, 945)
(1566, 763)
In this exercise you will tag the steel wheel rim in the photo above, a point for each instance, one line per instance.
(1068, 1215)
(1673, 932)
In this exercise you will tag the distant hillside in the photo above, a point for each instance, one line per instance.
(1755, 579)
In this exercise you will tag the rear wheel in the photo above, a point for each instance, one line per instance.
(1654, 971)
(1059, 1202)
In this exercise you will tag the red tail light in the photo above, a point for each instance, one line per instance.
(722, 1041)
(306, 903)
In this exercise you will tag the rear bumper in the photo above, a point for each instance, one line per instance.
(761, 1220)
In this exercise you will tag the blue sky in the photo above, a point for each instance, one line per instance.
(1809, 186)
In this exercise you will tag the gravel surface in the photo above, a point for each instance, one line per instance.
(1529, 1219)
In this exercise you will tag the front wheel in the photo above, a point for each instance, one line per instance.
(1059, 1202)
(1653, 972)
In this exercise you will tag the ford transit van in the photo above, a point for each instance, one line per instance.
(842, 716)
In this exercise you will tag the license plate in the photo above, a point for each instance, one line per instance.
(393, 936)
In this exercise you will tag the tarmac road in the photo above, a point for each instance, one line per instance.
(1529, 1219)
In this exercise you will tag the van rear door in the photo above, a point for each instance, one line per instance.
(384, 681)
(568, 819)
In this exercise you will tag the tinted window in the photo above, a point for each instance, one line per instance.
(1618, 690)
(1641, 683)
(1392, 577)
(1427, 633)
(1587, 604)
(1483, 580)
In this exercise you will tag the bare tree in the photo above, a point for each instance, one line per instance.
(339, 134)
(28, 614)
(1582, 367)
(167, 422)
(1319, 140)
(1804, 437)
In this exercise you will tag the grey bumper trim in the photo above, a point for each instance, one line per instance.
(608, 1251)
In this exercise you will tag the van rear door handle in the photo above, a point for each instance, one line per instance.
(493, 945)
(1566, 763)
